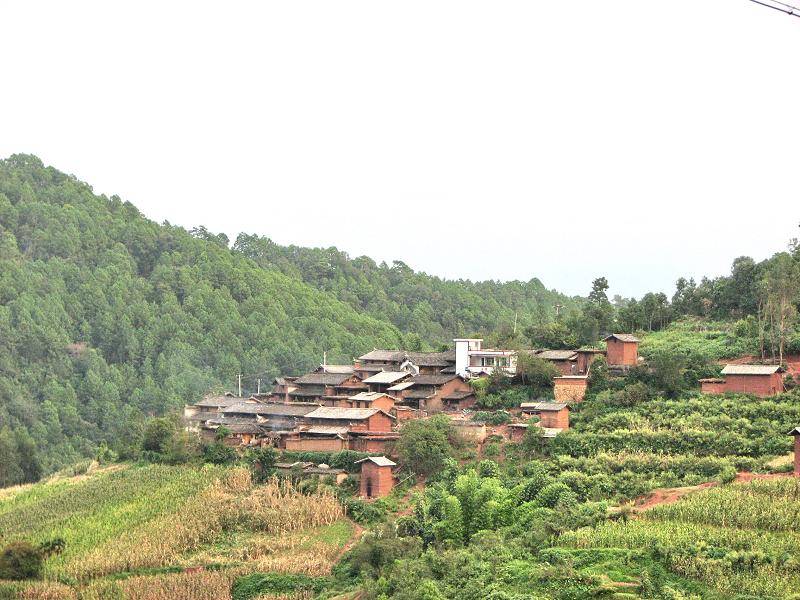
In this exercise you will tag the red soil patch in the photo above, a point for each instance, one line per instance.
(670, 495)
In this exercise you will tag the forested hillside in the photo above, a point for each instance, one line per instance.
(106, 316)
(435, 309)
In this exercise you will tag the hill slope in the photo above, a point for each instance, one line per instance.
(105, 315)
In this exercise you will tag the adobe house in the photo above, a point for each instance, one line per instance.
(566, 361)
(428, 392)
(552, 415)
(354, 419)
(382, 381)
(377, 480)
(328, 389)
(209, 407)
(425, 363)
(570, 388)
(282, 387)
(372, 400)
(796, 434)
(459, 400)
(760, 380)
(622, 350)
(241, 432)
(316, 438)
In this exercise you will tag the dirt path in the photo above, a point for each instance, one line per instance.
(669, 495)
(358, 530)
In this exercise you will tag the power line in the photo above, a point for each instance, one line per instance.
(783, 7)
(784, 4)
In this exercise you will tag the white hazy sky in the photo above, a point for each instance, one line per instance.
(562, 140)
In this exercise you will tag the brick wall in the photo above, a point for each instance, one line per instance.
(569, 390)
(622, 353)
(315, 444)
(555, 418)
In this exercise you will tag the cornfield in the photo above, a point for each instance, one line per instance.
(156, 516)
(737, 539)
(230, 504)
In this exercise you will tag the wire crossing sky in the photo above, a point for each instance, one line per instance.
(561, 140)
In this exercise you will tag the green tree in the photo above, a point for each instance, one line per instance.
(424, 445)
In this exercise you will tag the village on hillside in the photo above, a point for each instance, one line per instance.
(362, 406)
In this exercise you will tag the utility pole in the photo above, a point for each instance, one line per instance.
(240, 385)
(558, 308)
(258, 387)
(515, 322)
(324, 361)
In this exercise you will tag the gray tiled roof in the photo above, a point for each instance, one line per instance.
(557, 354)
(544, 406)
(751, 369)
(622, 337)
(387, 377)
(323, 378)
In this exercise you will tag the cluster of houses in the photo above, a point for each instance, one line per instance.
(360, 406)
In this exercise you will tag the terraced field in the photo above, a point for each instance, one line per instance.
(151, 532)
(740, 538)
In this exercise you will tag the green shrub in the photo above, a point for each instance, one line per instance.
(21, 560)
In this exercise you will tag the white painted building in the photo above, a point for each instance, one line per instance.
(473, 360)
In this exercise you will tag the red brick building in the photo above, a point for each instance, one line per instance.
(622, 350)
(759, 380)
(377, 480)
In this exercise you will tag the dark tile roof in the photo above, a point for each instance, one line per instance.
(323, 378)
(458, 395)
(277, 410)
(431, 379)
(336, 413)
(422, 359)
(622, 337)
(557, 354)
(543, 406)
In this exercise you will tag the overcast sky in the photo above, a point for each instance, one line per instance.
(633, 139)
